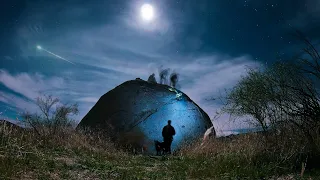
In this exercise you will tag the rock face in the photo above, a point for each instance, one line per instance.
(137, 110)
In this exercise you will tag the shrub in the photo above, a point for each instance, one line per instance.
(53, 116)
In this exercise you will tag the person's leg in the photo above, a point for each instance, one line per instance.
(165, 145)
(169, 146)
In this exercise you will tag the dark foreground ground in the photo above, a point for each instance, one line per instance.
(71, 155)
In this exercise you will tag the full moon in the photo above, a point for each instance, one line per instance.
(147, 12)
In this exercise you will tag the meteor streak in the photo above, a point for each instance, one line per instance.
(40, 48)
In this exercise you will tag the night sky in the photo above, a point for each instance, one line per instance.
(208, 42)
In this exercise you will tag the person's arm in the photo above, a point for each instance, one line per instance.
(173, 131)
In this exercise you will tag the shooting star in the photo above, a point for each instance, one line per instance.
(40, 48)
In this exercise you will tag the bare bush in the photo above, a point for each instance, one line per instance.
(52, 117)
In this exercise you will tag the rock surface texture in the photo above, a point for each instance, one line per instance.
(136, 111)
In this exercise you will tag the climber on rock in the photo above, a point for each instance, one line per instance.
(168, 132)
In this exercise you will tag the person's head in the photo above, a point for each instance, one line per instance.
(169, 122)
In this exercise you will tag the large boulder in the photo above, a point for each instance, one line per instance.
(136, 111)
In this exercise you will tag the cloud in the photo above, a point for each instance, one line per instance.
(88, 99)
(24, 88)
(308, 17)
(107, 54)
(27, 85)
(313, 7)
(20, 103)
(200, 77)
(208, 76)
(8, 58)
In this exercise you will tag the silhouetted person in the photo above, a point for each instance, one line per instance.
(167, 133)
(163, 75)
(152, 78)
(173, 79)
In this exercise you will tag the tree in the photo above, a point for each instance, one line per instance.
(250, 97)
(53, 115)
(284, 100)
(280, 97)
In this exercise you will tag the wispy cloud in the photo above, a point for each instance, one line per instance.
(8, 58)
(107, 54)
(307, 17)
(313, 7)
(88, 99)
(199, 80)
(29, 86)
(20, 103)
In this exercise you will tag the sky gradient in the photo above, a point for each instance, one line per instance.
(208, 42)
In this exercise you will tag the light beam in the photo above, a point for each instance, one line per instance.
(40, 48)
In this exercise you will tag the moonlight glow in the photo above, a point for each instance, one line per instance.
(147, 12)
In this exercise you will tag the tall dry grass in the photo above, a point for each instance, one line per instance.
(66, 137)
(71, 154)
(22, 150)
(273, 153)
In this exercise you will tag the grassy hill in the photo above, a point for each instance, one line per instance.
(73, 155)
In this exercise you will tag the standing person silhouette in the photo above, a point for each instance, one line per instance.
(168, 132)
